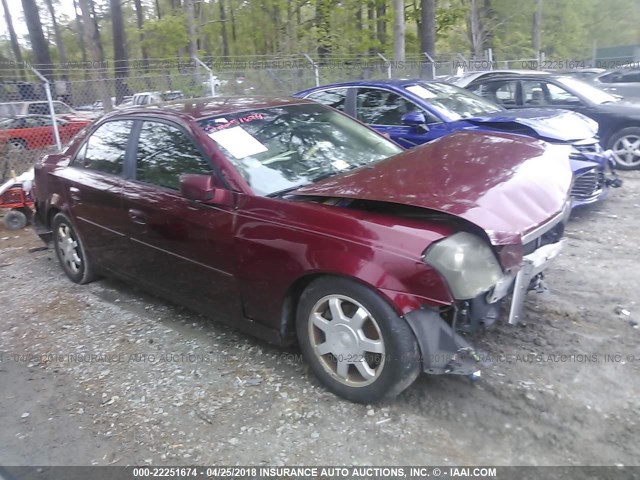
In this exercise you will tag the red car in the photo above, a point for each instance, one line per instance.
(36, 131)
(290, 220)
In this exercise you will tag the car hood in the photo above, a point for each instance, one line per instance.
(505, 184)
(546, 123)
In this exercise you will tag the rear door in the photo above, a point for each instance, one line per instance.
(92, 185)
(179, 247)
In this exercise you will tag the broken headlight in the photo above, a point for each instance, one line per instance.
(466, 262)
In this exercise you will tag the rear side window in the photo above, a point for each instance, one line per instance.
(106, 147)
(164, 153)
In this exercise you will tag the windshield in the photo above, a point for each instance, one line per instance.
(279, 148)
(452, 101)
(586, 90)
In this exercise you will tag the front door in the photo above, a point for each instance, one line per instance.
(180, 247)
(383, 110)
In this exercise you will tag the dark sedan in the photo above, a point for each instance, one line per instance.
(618, 120)
(288, 219)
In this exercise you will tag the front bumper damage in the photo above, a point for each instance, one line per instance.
(443, 348)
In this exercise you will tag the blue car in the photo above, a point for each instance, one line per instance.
(413, 112)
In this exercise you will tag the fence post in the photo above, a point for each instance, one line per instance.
(212, 83)
(315, 68)
(54, 120)
(433, 64)
(388, 65)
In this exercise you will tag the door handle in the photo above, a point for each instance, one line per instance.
(74, 193)
(137, 216)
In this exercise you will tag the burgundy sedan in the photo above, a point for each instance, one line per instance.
(291, 221)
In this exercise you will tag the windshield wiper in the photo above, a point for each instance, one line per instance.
(285, 190)
(314, 180)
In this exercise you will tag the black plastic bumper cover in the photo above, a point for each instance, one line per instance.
(443, 350)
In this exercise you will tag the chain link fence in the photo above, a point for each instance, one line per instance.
(32, 125)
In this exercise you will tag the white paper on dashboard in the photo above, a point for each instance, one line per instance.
(238, 142)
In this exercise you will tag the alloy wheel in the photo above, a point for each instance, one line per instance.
(68, 249)
(347, 340)
(627, 151)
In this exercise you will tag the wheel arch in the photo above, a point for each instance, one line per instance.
(614, 128)
(293, 293)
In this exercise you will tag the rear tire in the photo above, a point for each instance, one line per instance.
(15, 220)
(625, 145)
(70, 251)
(354, 342)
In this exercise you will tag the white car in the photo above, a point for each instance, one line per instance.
(41, 107)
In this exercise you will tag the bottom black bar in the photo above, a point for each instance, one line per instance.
(319, 473)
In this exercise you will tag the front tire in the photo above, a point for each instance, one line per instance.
(354, 342)
(625, 145)
(70, 251)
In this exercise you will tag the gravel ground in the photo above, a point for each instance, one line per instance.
(105, 374)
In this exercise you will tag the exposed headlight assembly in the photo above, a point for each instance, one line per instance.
(466, 262)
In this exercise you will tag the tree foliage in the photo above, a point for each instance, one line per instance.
(323, 28)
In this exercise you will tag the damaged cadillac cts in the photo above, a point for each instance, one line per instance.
(291, 221)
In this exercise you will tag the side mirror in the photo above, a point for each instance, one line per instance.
(201, 188)
(415, 119)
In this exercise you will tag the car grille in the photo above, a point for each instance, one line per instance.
(588, 185)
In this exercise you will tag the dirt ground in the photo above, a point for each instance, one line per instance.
(105, 374)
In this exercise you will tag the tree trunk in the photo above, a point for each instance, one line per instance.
(537, 27)
(140, 24)
(371, 24)
(322, 23)
(487, 15)
(58, 37)
(15, 46)
(120, 56)
(223, 29)
(191, 31)
(92, 38)
(475, 29)
(83, 47)
(428, 27)
(39, 45)
(398, 31)
(233, 22)
(381, 28)
(277, 24)
(159, 15)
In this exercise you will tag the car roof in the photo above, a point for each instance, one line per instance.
(521, 77)
(197, 108)
(398, 83)
(383, 82)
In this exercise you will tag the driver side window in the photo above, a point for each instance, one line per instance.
(164, 153)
